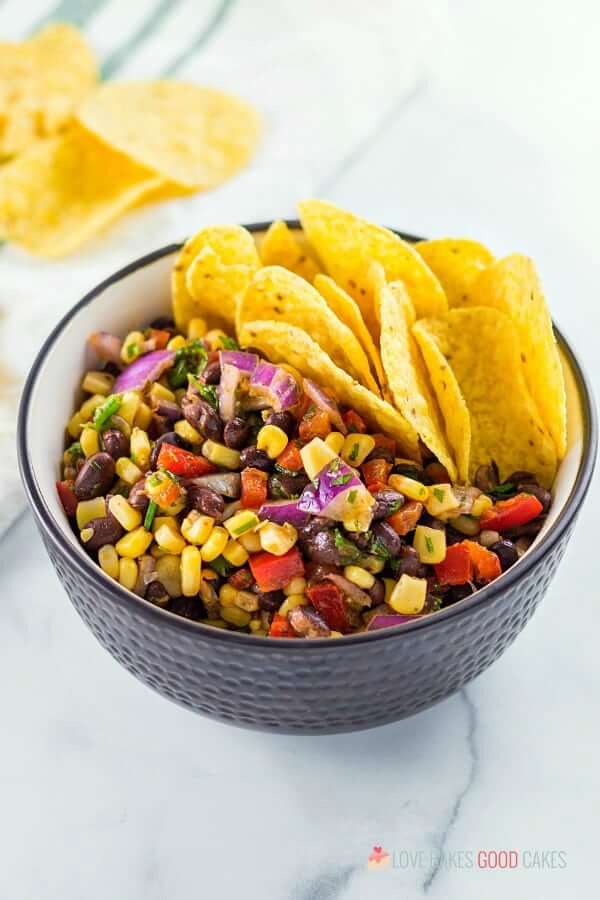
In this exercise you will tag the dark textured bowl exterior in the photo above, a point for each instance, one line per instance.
(298, 686)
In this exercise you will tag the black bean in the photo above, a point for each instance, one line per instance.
(321, 548)
(544, 496)
(520, 475)
(377, 592)
(115, 443)
(388, 537)
(530, 530)
(163, 323)
(105, 530)
(361, 539)
(256, 459)
(411, 470)
(407, 562)
(95, 476)
(436, 473)
(284, 420)
(284, 487)
(188, 607)
(235, 433)
(156, 593)
(387, 502)
(138, 497)
(211, 373)
(313, 526)
(201, 416)
(487, 478)
(158, 427)
(170, 437)
(458, 592)
(381, 453)
(506, 553)
(204, 500)
(168, 410)
(270, 601)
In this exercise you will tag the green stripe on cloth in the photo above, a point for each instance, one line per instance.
(77, 12)
(205, 35)
(116, 59)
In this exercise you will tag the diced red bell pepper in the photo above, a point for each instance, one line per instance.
(485, 562)
(160, 337)
(254, 488)
(290, 458)
(280, 627)
(383, 440)
(272, 573)
(376, 473)
(314, 424)
(511, 513)
(406, 518)
(328, 601)
(457, 567)
(354, 423)
(183, 463)
(67, 497)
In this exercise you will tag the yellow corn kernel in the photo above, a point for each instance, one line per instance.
(128, 573)
(412, 489)
(191, 563)
(127, 470)
(134, 543)
(389, 585)
(130, 403)
(290, 602)
(196, 528)
(481, 504)
(132, 346)
(246, 600)
(468, 525)
(98, 383)
(235, 616)
(278, 539)
(256, 626)
(168, 538)
(356, 448)
(143, 417)
(243, 521)
(360, 577)
(124, 512)
(176, 343)
(187, 432)
(215, 623)
(227, 595)
(315, 456)
(272, 439)
(235, 554)
(209, 575)
(74, 426)
(171, 521)
(160, 392)
(108, 559)
(90, 509)
(441, 499)
(335, 441)
(296, 586)
(214, 338)
(250, 541)
(374, 564)
(220, 455)
(140, 449)
(215, 544)
(89, 441)
(196, 329)
(89, 406)
(168, 572)
(335, 634)
(430, 544)
(157, 552)
(408, 596)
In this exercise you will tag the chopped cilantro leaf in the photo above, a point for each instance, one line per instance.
(189, 360)
(352, 496)
(439, 494)
(503, 490)
(228, 343)
(342, 479)
(208, 392)
(221, 566)
(429, 544)
(354, 452)
(349, 552)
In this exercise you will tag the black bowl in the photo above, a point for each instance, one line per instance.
(301, 687)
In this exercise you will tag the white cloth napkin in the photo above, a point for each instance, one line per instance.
(328, 79)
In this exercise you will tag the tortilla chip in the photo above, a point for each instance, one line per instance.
(456, 262)
(347, 311)
(283, 343)
(406, 374)
(196, 137)
(481, 345)
(63, 190)
(42, 81)
(347, 245)
(512, 286)
(278, 295)
(212, 270)
(282, 247)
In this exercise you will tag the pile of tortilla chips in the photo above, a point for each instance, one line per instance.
(437, 344)
(75, 155)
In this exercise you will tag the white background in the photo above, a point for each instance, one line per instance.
(467, 118)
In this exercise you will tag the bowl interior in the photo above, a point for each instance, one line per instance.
(136, 298)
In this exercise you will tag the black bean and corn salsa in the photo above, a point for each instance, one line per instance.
(235, 492)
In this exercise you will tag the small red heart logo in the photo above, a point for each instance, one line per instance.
(377, 849)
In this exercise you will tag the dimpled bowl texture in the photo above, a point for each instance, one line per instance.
(278, 685)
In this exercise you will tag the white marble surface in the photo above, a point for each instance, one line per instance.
(106, 790)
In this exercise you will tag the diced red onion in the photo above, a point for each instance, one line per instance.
(145, 369)
(385, 620)
(356, 595)
(245, 362)
(330, 497)
(276, 385)
(106, 346)
(230, 379)
(322, 401)
(227, 483)
(282, 511)
(230, 510)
